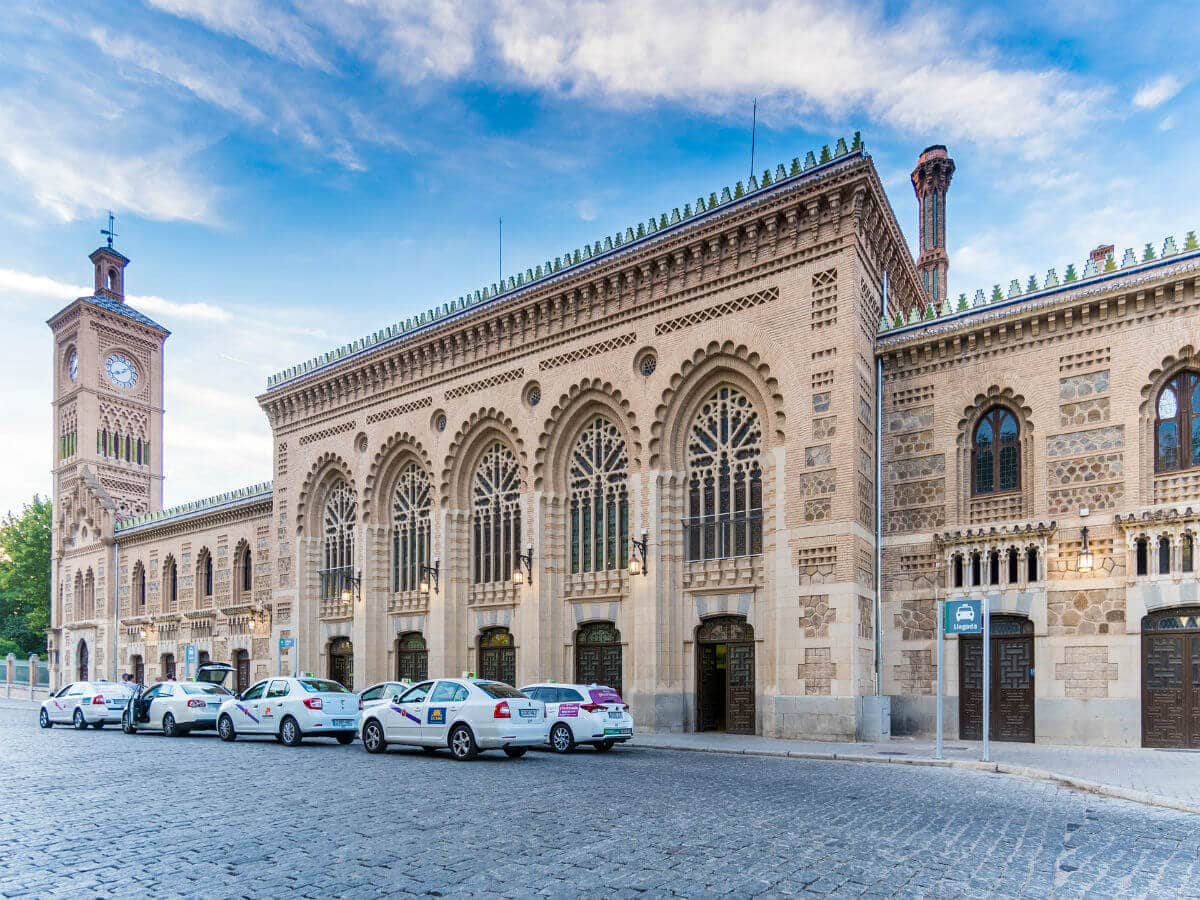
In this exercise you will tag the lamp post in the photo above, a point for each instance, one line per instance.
(637, 562)
(1085, 553)
(524, 563)
(351, 587)
(430, 576)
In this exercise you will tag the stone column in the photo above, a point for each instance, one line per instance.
(10, 673)
(33, 674)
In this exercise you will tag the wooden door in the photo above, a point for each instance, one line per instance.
(412, 658)
(598, 657)
(497, 656)
(1171, 679)
(739, 681)
(1011, 717)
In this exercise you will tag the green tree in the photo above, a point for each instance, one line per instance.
(25, 579)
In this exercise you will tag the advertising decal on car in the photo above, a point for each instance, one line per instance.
(568, 710)
(437, 715)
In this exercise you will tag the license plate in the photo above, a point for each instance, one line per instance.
(614, 714)
(618, 731)
(343, 723)
(528, 713)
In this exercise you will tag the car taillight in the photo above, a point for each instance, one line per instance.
(502, 711)
(314, 702)
(196, 703)
(626, 707)
(98, 700)
(592, 707)
(360, 706)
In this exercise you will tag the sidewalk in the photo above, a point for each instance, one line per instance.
(1167, 778)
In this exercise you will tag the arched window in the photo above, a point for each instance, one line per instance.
(79, 615)
(337, 552)
(171, 583)
(495, 515)
(958, 570)
(724, 504)
(1177, 424)
(247, 571)
(994, 567)
(139, 587)
(1186, 553)
(1013, 565)
(1141, 548)
(89, 594)
(204, 577)
(243, 567)
(410, 527)
(599, 499)
(1031, 564)
(976, 569)
(996, 453)
(1164, 555)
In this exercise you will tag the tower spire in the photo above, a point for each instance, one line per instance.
(931, 182)
(110, 232)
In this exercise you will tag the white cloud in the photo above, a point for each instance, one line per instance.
(196, 312)
(1155, 93)
(26, 283)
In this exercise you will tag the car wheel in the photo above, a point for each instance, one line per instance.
(515, 752)
(170, 729)
(289, 732)
(125, 726)
(462, 743)
(604, 746)
(372, 737)
(561, 738)
(79, 721)
(345, 739)
(44, 719)
(97, 725)
(225, 729)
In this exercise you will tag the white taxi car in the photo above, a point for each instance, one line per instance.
(384, 692)
(84, 703)
(466, 715)
(583, 714)
(179, 707)
(291, 709)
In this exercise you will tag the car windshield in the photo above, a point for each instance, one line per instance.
(497, 690)
(605, 695)
(321, 686)
(201, 687)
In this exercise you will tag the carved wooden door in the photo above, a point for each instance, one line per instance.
(598, 657)
(710, 691)
(1171, 679)
(497, 656)
(1011, 717)
(739, 698)
(412, 658)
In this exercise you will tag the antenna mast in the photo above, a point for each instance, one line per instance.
(753, 134)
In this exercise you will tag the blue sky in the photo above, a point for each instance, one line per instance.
(290, 175)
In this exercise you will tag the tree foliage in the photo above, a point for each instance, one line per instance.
(25, 579)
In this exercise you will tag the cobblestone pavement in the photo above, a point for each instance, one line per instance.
(101, 813)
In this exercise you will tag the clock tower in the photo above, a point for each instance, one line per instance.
(108, 394)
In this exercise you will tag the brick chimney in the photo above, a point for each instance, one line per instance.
(931, 182)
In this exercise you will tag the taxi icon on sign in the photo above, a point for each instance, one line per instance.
(964, 614)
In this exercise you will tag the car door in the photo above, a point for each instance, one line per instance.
(403, 718)
(247, 717)
(272, 704)
(59, 710)
(141, 706)
(441, 710)
(160, 704)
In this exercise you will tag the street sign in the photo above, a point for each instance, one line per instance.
(189, 653)
(287, 643)
(964, 617)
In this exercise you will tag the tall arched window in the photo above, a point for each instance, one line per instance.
(599, 499)
(337, 551)
(139, 587)
(243, 568)
(1177, 424)
(204, 578)
(410, 527)
(89, 594)
(171, 583)
(724, 503)
(79, 596)
(495, 515)
(996, 453)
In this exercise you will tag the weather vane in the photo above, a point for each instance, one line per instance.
(110, 232)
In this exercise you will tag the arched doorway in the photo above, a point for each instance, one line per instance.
(725, 675)
(168, 667)
(1171, 678)
(341, 662)
(412, 657)
(203, 658)
(241, 668)
(1011, 702)
(139, 669)
(598, 655)
(497, 656)
(82, 655)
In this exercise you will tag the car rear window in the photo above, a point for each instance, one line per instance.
(201, 687)
(320, 686)
(605, 695)
(498, 690)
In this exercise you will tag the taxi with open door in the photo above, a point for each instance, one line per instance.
(290, 710)
(179, 707)
(84, 703)
(383, 692)
(465, 715)
(583, 714)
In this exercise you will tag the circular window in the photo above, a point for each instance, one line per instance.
(646, 363)
(533, 394)
(439, 421)
(360, 443)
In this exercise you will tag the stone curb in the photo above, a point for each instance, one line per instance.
(1070, 781)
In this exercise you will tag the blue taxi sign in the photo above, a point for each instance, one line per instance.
(964, 617)
(286, 643)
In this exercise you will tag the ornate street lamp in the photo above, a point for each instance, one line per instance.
(637, 561)
(430, 575)
(524, 564)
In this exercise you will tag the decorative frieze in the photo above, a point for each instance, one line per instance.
(1076, 443)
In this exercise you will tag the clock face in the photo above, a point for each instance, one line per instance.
(73, 366)
(121, 371)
